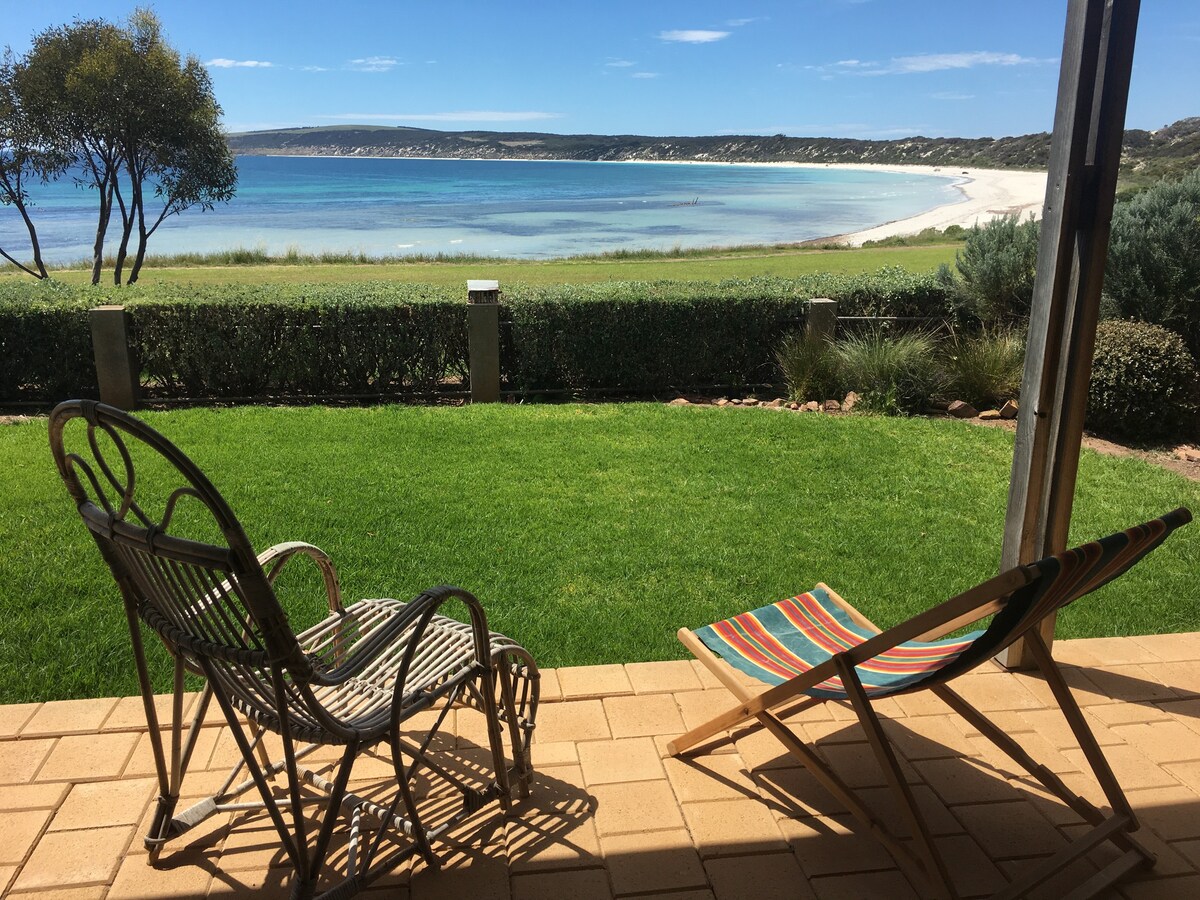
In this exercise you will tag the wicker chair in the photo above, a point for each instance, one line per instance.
(378, 675)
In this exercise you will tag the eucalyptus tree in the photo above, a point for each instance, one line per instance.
(133, 119)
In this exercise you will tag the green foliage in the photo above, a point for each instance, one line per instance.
(996, 269)
(1153, 269)
(925, 237)
(45, 343)
(1143, 382)
(984, 369)
(892, 374)
(809, 366)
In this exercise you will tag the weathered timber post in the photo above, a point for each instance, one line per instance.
(822, 319)
(116, 373)
(483, 339)
(1085, 154)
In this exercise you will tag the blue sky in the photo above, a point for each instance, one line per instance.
(837, 68)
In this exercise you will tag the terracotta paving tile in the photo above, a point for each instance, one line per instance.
(728, 827)
(1169, 647)
(796, 793)
(857, 766)
(960, 781)
(1187, 772)
(95, 892)
(922, 703)
(584, 884)
(267, 884)
(128, 713)
(643, 715)
(549, 689)
(972, 874)
(560, 753)
(555, 827)
(582, 682)
(1110, 651)
(1136, 771)
(635, 806)
(19, 831)
(626, 759)
(20, 760)
(834, 731)
(928, 737)
(68, 858)
(1186, 712)
(69, 717)
(100, 803)
(1060, 884)
(761, 750)
(85, 757)
(834, 845)
(662, 677)
(938, 818)
(1010, 829)
(652, 863)
(1135, 684)
(137, 881)
(995, 691)
(1169, 862)
(707, 678)
(13, 718)
(1162, 742)
(698, 707)
(770, 876)
(1190, 850)
(576, 720)
(1173, 812)
(1052, 727)
(1182, 677)
(712, 777)
(891, 885)
(478, 874)
(31, 796)
(1186, 887)
(1111, 714)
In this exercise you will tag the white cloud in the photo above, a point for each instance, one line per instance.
(644, 75)
(937, 62)
(619, 64)
(313, 69)
(692, 36)
(738, 23)
(373, 64)
(472, 115)
(951, 95)
(222, 63)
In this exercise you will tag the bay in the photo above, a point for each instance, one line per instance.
(528, 209)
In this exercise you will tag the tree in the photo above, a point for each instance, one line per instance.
(133, 120)
(997, 266)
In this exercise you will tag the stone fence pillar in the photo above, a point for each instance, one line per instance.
(116, 371)
(822, 318)
(483, 340)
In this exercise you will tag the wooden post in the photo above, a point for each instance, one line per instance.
(822, 318)
(483, 338)
(116, 373)
(1085, 153)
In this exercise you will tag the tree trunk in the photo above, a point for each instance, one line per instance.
(34, 243)
(126, 228)
(106, 192)
(143, 235)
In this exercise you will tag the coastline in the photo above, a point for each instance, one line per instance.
(986, 193)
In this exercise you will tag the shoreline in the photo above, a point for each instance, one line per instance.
(987, 194)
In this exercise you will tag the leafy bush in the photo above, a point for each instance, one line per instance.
(984, 369)
(1143, 382)
(1153, 268)
(996, 268)
(809, 366)
(891, 374)
(45, 343)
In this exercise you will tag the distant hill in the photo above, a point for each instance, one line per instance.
(1147, 155)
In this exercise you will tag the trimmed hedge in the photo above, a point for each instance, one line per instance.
(378, 338)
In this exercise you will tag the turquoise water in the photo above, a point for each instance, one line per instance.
(385, 207)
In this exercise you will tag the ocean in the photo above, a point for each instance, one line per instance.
(534, 209)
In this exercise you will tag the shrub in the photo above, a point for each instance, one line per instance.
(984, 369)
(1153, 268)
(809, 366)
(996, 268)
(1143, 382)
(891, 374)
(45, 344)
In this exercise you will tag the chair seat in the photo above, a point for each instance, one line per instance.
(778, 642)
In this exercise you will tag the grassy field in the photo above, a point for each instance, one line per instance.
(591, 533)
(692, 265)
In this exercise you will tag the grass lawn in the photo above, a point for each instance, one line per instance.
(591, 533)
(712, 265)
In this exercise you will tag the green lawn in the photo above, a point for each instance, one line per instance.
(709, 265)
(590, 532)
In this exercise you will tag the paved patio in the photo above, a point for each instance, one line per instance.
(610, 817)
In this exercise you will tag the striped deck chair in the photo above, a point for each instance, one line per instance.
(816, 648)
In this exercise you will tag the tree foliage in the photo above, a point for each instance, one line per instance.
(996, 268)
(1153, 269)
(131, 119)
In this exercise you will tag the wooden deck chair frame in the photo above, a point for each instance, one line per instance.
(922, 863)
(355, 681)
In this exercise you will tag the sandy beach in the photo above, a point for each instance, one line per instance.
(987, 194)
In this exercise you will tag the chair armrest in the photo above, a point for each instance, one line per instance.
(273, 559)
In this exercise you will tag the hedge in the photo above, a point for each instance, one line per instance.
(379, 339)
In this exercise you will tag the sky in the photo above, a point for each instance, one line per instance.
(876, 69)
